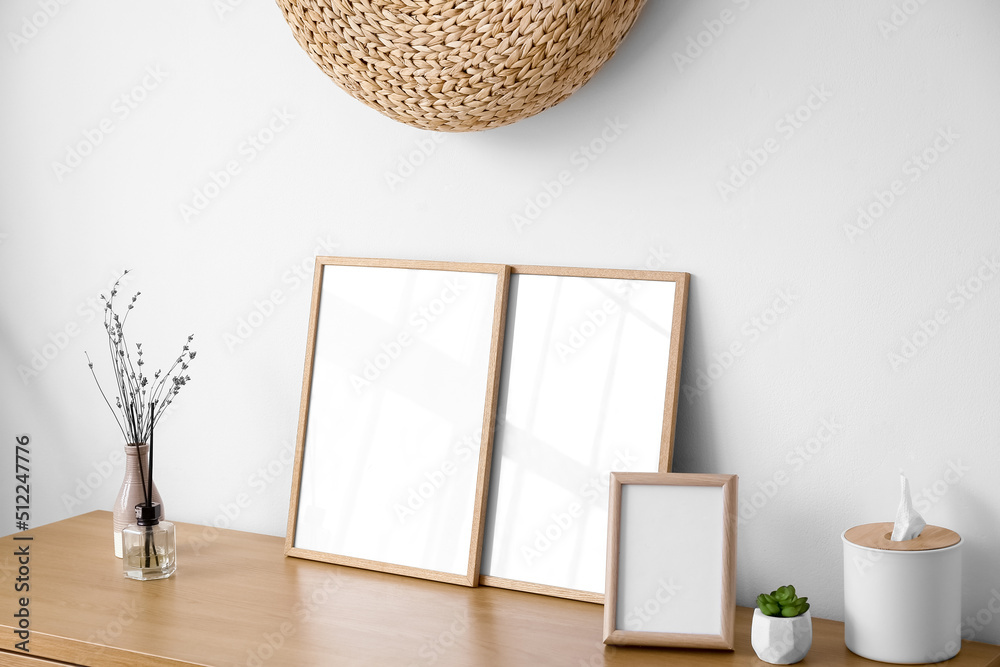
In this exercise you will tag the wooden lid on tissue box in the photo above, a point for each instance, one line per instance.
(876, 536)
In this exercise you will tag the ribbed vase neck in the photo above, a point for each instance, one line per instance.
(132, 453)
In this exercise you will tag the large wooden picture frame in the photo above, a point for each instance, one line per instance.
(671, 576)
(589, 385)
(396, 421)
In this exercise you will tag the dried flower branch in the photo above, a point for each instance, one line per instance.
(140, 400)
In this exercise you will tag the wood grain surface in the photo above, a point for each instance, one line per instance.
(236, 600)
(877, 536)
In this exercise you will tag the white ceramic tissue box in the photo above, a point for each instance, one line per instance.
(902, 600)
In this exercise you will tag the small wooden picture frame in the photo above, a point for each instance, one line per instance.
(671, 560)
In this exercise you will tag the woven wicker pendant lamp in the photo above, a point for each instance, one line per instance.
(460, 65)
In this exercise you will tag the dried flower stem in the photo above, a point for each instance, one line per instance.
(140, 401)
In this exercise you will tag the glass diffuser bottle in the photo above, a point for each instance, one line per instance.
(149, 546)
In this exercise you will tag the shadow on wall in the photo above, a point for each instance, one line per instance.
(980, 574)
(695, 447)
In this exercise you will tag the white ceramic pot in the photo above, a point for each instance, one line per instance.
(779, 640)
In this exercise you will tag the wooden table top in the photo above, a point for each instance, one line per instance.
(237, 600)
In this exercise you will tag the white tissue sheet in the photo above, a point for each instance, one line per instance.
(909, 524)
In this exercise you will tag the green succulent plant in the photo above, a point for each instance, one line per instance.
(782, 602)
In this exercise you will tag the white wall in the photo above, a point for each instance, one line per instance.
(321, 185)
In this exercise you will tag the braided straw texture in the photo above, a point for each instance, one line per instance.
(457, 66)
